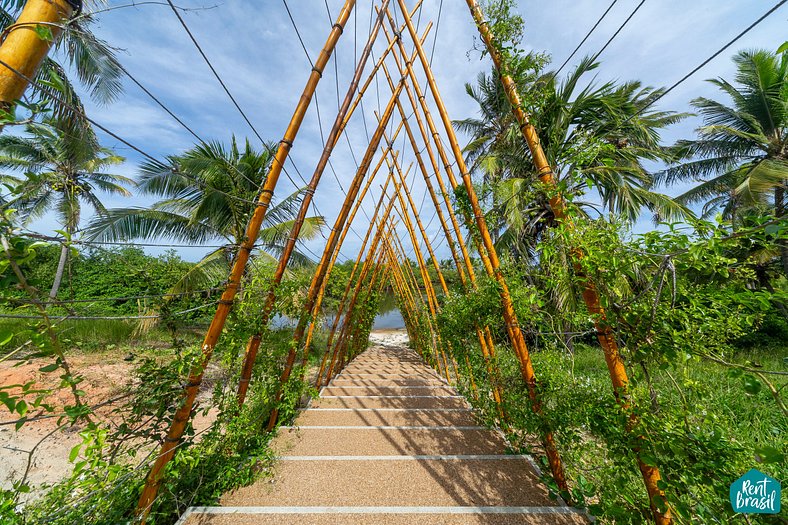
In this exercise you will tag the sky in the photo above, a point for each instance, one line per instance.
(253, 46)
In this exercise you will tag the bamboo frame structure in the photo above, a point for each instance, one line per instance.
(618, 375)
(373, 248)
(183, 414)
(349, 285)
(23, 49)
(336, 130)
(486, 344)
(485, 339)
(331, 246)
(510, 317)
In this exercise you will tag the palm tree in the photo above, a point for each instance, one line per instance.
(207, 193)
(740, 156)
(596, 137)
(64, 168)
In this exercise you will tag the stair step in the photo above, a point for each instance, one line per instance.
(386, 417)
(382, 516)
(372, 441)
(437, 390)
(488, 482)
(390, 402)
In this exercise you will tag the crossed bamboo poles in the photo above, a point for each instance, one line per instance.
(384, 263)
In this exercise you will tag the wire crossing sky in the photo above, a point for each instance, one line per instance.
(263, 51)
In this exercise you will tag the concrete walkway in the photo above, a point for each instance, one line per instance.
(389, 442)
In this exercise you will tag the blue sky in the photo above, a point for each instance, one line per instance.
(254, 48)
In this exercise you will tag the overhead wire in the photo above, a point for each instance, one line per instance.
(572, 54)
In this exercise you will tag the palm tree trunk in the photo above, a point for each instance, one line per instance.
(779, 211)
(61, 266)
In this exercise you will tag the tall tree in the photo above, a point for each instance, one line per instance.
(207, 193)
(740, 156)
(596, 138)
(64, 169)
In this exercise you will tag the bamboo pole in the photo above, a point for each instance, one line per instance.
(350, 330)
(331, 245)
(618, 375)
(23, 48)
(349, 285)
(183, 414)
(373, 248)
(432, 299)
(337, 128)
(428, 245)
(512, 324)
(316, 307)
(485, 337)
(346, 228)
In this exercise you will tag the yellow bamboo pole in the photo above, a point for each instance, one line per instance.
(321, 292)
(331, 245)
(485, 338)
(349, 284)
(23, 48)
(349, 331)
(373, 248)
(618, 374)
(512, 324)
(428, 245)
(432, 299)
(183, 414)
(415, 291)
(336, 130)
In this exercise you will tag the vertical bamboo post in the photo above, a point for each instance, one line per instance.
(618, 375)
(512, 324)
(336, 130)
(23, 49)
(183, 414)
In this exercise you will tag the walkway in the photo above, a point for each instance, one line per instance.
(389, 442)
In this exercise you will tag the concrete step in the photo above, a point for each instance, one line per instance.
(389, 402)
(420, 390)
(413, 381)
(383, 516)
(386, 417)
(371, 441)
(399, 481)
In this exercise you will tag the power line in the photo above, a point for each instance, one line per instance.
(601, 18)
(215, 73)
(620, 28)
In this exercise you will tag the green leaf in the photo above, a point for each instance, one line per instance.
(74, 453)
(44, 33)
(768, 454)
(751, 385)
(783, 48)
(5, 337)
(49, 368)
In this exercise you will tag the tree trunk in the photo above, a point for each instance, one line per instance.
(61, 266)
(779, 211)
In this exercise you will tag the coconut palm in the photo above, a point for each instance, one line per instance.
(64, 169)
(740, 156)
(208, 194)
(596, 138)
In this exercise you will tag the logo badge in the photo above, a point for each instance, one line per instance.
(755, 493)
